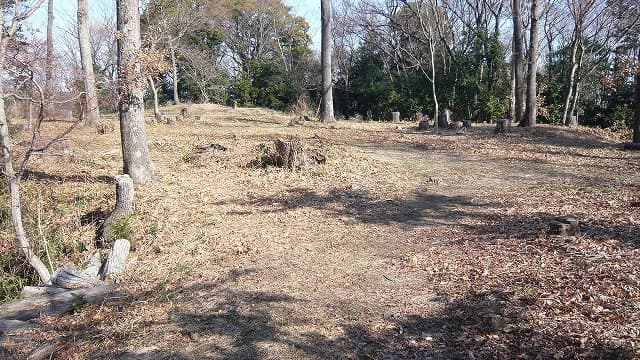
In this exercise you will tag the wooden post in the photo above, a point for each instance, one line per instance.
(395, 117)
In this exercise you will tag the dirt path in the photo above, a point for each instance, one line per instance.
(402, 246)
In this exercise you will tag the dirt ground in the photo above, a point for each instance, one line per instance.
(404, 245)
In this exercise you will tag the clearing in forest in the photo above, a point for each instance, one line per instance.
(402, 245)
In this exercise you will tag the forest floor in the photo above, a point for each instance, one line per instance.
(404, 245)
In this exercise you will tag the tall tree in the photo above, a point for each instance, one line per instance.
(93, 112)
(517, 64)
(135, 153)
(531, 111)
(327, 78)
(48, 86)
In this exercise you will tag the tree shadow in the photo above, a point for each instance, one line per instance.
(80, 178)
(418, 209)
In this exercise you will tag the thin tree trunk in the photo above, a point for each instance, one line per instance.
(636, 115)
(174, 67)
(433, 84)
(572, 81)
(327, 79)
(531, 111)
(48, 71)
(517, 62)
(135, 153)
(154, 91)
(93, 112)
(13, 182)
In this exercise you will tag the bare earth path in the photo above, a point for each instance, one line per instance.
(403, 245)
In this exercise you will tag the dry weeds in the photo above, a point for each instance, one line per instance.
(403, 245)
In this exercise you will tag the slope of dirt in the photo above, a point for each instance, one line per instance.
(404, 245)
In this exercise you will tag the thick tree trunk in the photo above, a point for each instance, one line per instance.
(327, 78)
(48, 71)
(135, 152)
(174, 69)
(531, 111)
(636, 115)
(13, 182)
(516, 61)
(93, 112)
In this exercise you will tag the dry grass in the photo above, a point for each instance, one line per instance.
(403, 245)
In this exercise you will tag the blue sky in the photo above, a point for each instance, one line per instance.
(66, 9)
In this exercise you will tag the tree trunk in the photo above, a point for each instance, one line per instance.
(154, 90)
(327, 80)
(174, 68)
(93, 112)
(636, 115)
(572, 85)
(48, 71)
(516, 61)
(13, 180)
(135, 152)
(531, 111)
(121, 212)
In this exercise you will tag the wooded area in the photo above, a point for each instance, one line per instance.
(433, 179)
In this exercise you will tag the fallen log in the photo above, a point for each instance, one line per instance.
(70, 278)
(31, 308)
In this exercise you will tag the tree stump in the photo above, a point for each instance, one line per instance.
(185, 112)
(503, 126)
(565, 226)
(466, 124)
(418, 116)
(424, 125)
(573, 121)
(289, 154)
(395, 117)
(157, 117)
(122, 210)
(444, 118)
(116, 260)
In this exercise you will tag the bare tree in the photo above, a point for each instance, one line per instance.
(517, 61)
(137, 162)
(86, 58)
(531, 111)
(11, 20)
(49, 62)
(327, 78)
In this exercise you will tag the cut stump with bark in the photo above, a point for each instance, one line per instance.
(117, 259)
(423, 125)
(289, 154)
(503, 126)
(565, 226)
(121, 212)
